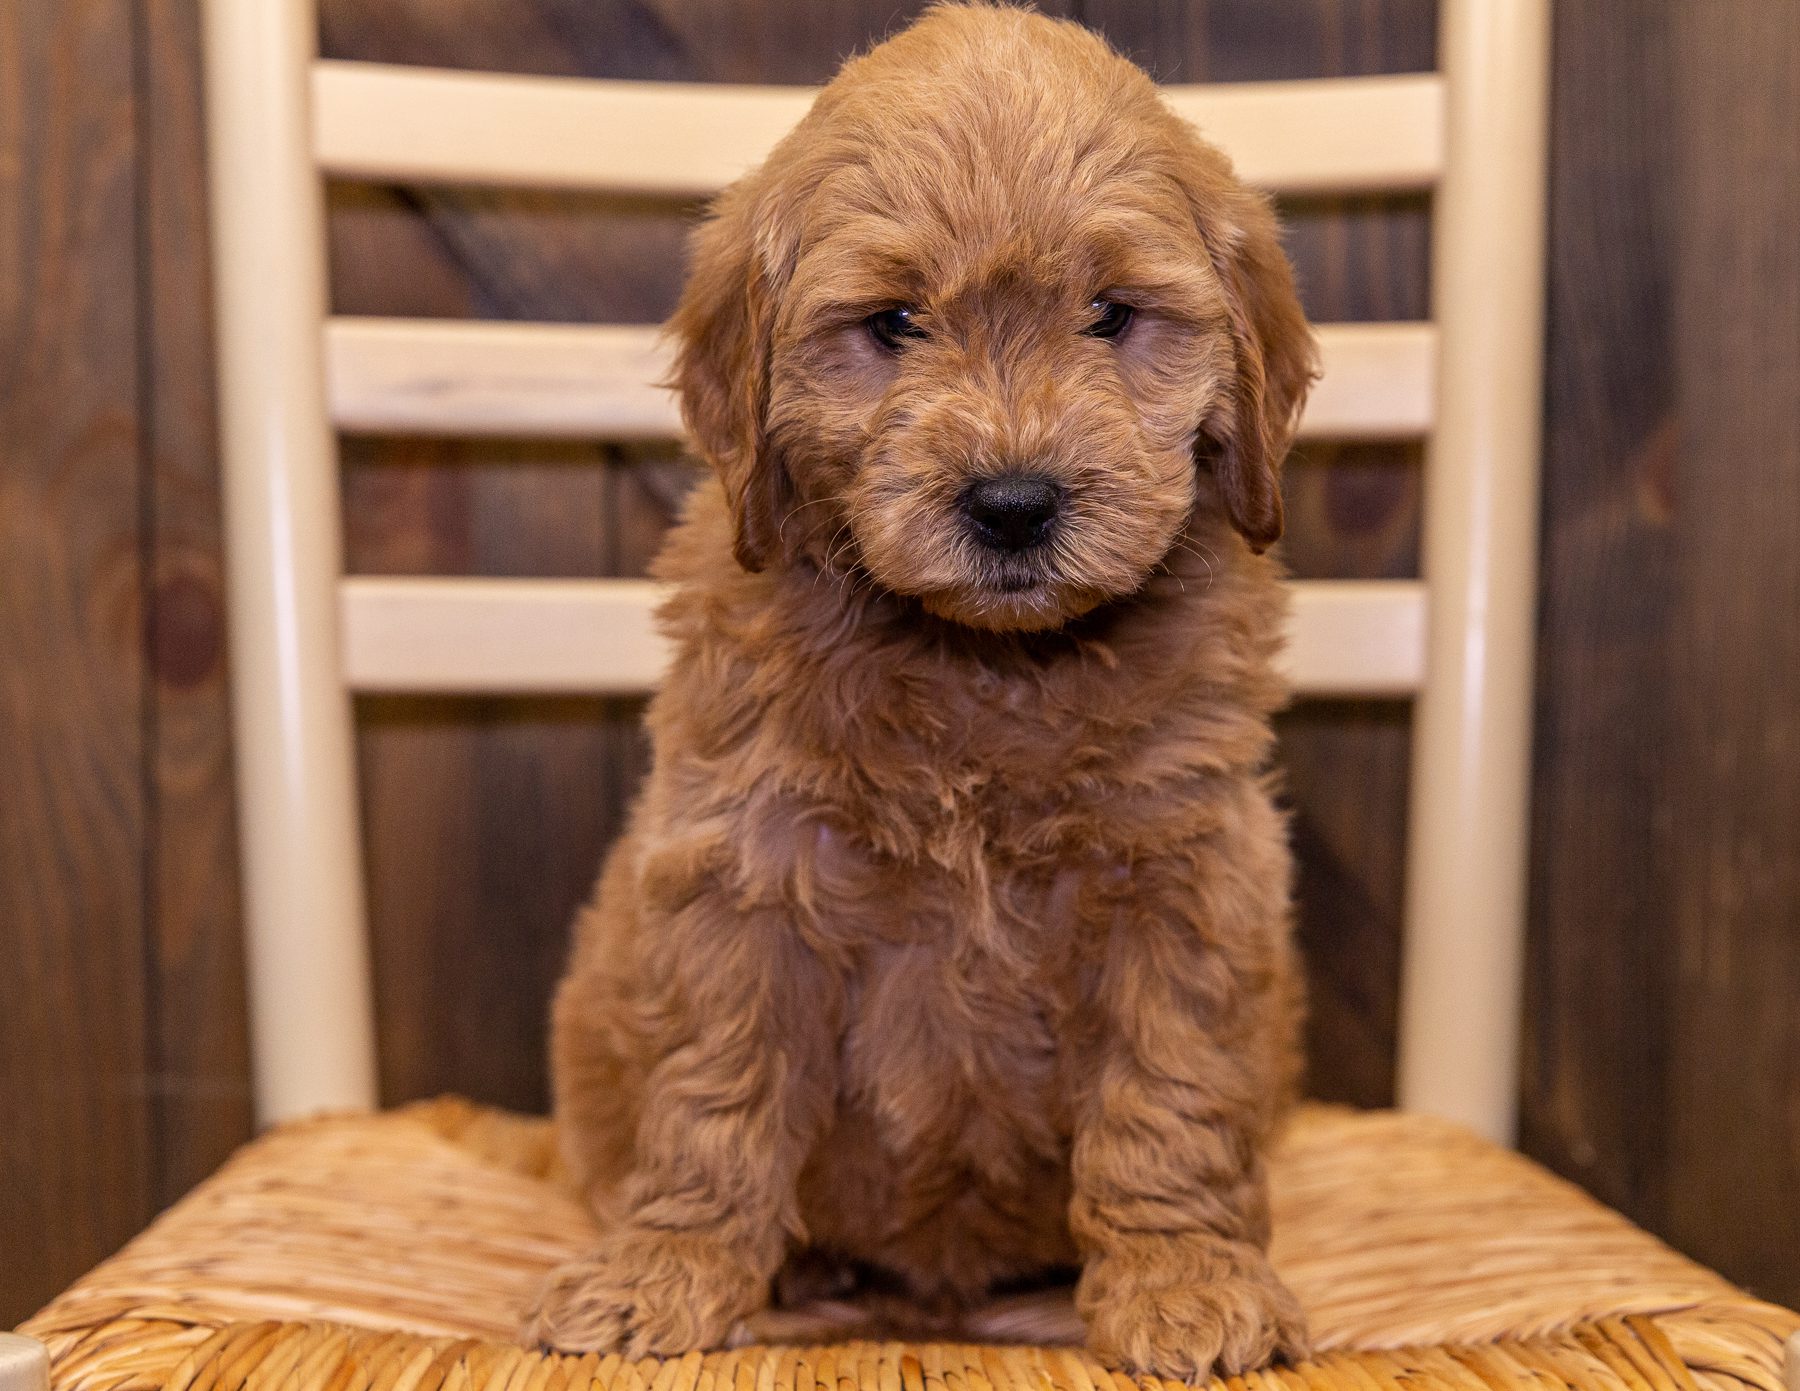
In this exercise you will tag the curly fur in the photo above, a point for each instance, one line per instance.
(948, 946)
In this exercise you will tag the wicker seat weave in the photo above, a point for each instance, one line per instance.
(395, 1252)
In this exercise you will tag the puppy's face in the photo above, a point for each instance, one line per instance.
(988, 326)
(991, 387)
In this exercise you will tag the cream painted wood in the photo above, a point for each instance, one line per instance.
(500, 635)
(1465, 908)
(584, 381)
(671, 139)
(1379, 382)
(24, 1363)
(495, 635)
(311, 1024)
(1325, 135)
(1356, 637)
(461, 377)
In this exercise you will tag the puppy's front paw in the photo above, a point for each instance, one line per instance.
(1190, 1314)
(646, 1294)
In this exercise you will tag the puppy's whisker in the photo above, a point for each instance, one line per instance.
(1164, 566)
(829, 558)
(1199, 552)
(816, 502)
(781, 531)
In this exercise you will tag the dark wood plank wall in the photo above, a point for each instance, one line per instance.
(199, 1089)
(1663, 1047)
(123, 1058)
(76, 1160)
(1663, 1035)
(1732, 807)
(1603, 934)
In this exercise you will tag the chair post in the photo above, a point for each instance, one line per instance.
(1465, 909)
(312, 1031)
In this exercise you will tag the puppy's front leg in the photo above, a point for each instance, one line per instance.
(1196, 1008)
(739, 1014)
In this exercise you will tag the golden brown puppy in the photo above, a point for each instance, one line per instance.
(950, 937)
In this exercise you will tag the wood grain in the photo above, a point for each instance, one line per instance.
(485, 819)
(75, 1162)
(1598, 991)
(200, 1066)
(1733, 794)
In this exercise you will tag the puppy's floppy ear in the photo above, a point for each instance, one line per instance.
(1275, 357)
(723, 327)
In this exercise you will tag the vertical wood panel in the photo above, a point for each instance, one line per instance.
(1733, 1111)
(1598, 988)
(199, 1040)
(75, 1162)
(1662, 1039)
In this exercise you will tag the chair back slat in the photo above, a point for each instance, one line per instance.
(602, 381)
(493, 636)
(375, 121)
(463, 377)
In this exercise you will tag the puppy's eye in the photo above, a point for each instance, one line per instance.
(1111, 318)
(894, 328)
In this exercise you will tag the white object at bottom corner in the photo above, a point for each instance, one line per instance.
(24, 1364)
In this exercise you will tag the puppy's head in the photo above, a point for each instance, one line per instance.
(988, 325)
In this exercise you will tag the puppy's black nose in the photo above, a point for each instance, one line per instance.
(1012, 512)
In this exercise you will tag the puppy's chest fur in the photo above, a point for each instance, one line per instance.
(959, 856)
(960, 903)
(962, 1046)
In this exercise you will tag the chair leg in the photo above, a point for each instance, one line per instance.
(24, 1364)
(1792, 1363)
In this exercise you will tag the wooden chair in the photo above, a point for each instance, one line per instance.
(306, 636)
(394, 1250)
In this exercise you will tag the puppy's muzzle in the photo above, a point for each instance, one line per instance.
(1013, 512)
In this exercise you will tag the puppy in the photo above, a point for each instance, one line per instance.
(949, 941)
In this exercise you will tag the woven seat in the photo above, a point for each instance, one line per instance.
(397, 1250)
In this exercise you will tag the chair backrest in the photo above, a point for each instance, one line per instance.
(306, 636)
